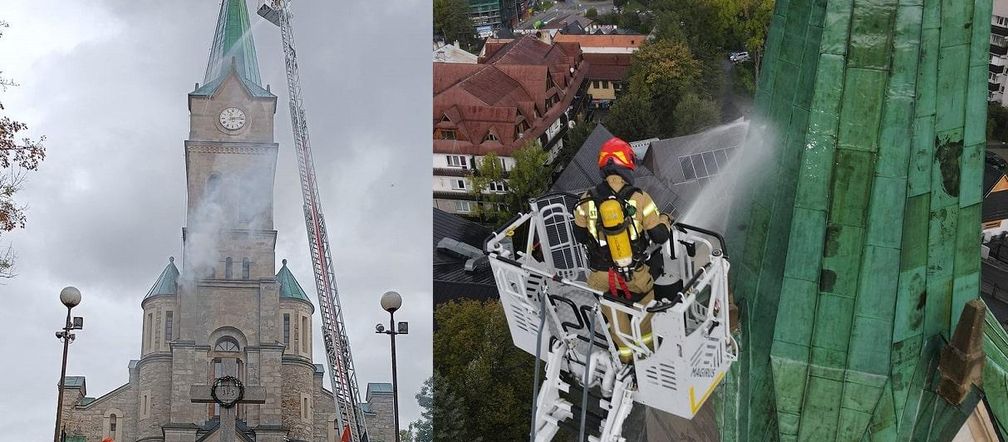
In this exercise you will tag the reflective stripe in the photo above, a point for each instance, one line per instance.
(649, 209)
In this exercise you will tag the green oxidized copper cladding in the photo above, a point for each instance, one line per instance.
(858, 248)
(289, 287)
(233, 44)
(167, 282)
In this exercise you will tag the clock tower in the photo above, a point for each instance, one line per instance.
(228, 314)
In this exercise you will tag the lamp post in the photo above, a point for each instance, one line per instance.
(391, 301)
(70, 297)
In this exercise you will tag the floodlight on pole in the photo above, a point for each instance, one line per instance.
(70, 297)
(390, 302)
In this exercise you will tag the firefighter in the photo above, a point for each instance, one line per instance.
(617, 222)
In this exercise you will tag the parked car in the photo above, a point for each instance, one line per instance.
(738, 57)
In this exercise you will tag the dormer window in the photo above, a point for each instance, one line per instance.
(490, 137)
(445, 134)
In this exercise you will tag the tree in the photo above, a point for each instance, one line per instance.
(482, 382)
(661, 73)
(573, 140)
(630, 117)
(694, 113)
(490, 170)
(591, 13)
(529, 178)
(997, 122)
(451, 21)
(18, 155)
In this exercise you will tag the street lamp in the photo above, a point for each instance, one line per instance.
(391, 301)
(70, 297)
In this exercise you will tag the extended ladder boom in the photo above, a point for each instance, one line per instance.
(341, 369)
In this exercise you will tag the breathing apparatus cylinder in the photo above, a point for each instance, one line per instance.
(614, 226)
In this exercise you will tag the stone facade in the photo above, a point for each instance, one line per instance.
(381, 425)
(227, 303)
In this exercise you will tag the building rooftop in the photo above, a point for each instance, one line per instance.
(233, 44)
(167, 282)
(589, 42)
(510, 97)
(289, 287)
(73, 382)
(232, 50)
(450, 277)
(451, 53)
(377, 388)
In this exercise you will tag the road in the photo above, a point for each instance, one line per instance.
(562, 8)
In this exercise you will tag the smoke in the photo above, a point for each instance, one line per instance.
(235, 199)
(711, 209)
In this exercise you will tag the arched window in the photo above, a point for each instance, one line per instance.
(112, 427)
(213, 187)
(246, 266)
(227, 268)
(226, 343)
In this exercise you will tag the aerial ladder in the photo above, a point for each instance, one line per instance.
(341, 368)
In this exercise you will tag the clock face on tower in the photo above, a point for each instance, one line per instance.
(232, 118)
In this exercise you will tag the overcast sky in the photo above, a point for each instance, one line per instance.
(106, 82)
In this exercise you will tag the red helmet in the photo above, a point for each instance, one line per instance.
(618, 152)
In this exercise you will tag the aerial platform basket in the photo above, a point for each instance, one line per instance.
(540, 271)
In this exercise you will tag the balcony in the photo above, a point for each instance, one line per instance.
(999, 30)
(993, 87)
(996, 69)
(998, 50)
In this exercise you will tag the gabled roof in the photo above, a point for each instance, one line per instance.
(289, 287)
(603, 40)
(519, 88)
(233, 41)
(167, 282)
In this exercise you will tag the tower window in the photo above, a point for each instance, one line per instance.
(246, 266)
(286, 329)
(227, 268)
(150, 331)
(304, 334)
(168, 326)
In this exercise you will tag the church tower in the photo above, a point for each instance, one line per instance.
(227, 312)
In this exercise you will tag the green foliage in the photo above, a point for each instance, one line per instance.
(573, 140)
(661, 74)
(435, 408)
(18, 155)
(997, 122)
(451, 21)
(591, 13)
(694, 113)
(488, 171)
(545, 5)
(630, 117)
(529, 178)
(483, 383)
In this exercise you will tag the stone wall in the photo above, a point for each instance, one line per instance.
(382, 426)
(297, 384)
(90, 421)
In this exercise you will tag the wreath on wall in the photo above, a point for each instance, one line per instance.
(223, 381)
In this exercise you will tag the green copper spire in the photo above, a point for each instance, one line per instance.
(289, 287)
(233, 44)
(856, 249)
